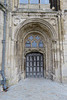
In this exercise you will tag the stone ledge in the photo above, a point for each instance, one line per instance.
(22, 10)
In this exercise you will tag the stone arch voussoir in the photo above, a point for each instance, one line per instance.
(40, 21)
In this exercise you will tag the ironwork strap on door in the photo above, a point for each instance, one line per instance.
(34, 65)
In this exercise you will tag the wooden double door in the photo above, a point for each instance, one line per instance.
(34, 65)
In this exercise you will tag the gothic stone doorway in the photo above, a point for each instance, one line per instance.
(35, 35)
(34, 65)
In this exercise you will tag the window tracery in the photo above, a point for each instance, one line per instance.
(37, 37)
(34, 44)
(34, 41)
(31, 38)
(28, 44)
(41, 44)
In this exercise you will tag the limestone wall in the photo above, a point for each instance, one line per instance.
(64, 65)
(15, 20)
(1, 36)
(59, 47)
(64, 4)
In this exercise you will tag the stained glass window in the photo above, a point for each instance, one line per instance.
(31, 38)
(28, 44)
(34, 44)
(37, 37)
(41, 44)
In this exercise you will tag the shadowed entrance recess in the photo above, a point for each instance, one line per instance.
(35, 37)
(34, 65)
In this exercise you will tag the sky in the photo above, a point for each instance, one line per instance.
(35, 1)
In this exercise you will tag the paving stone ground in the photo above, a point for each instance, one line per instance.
(36, 89)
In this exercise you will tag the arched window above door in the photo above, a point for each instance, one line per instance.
(34, 41)
(27, 44)
(31, 38)
(37, 37)
(41, 44)
(34, 44)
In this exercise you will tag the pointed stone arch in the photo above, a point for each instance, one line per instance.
(46, 30)
(36, 21)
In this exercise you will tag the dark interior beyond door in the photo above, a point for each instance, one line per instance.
(34, 65)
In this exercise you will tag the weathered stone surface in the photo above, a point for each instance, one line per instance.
(50, 24)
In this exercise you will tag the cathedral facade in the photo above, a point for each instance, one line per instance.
(33, 39)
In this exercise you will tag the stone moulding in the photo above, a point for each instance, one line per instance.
(40, 21)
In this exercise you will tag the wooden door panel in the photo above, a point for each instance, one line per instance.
(34, 65)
